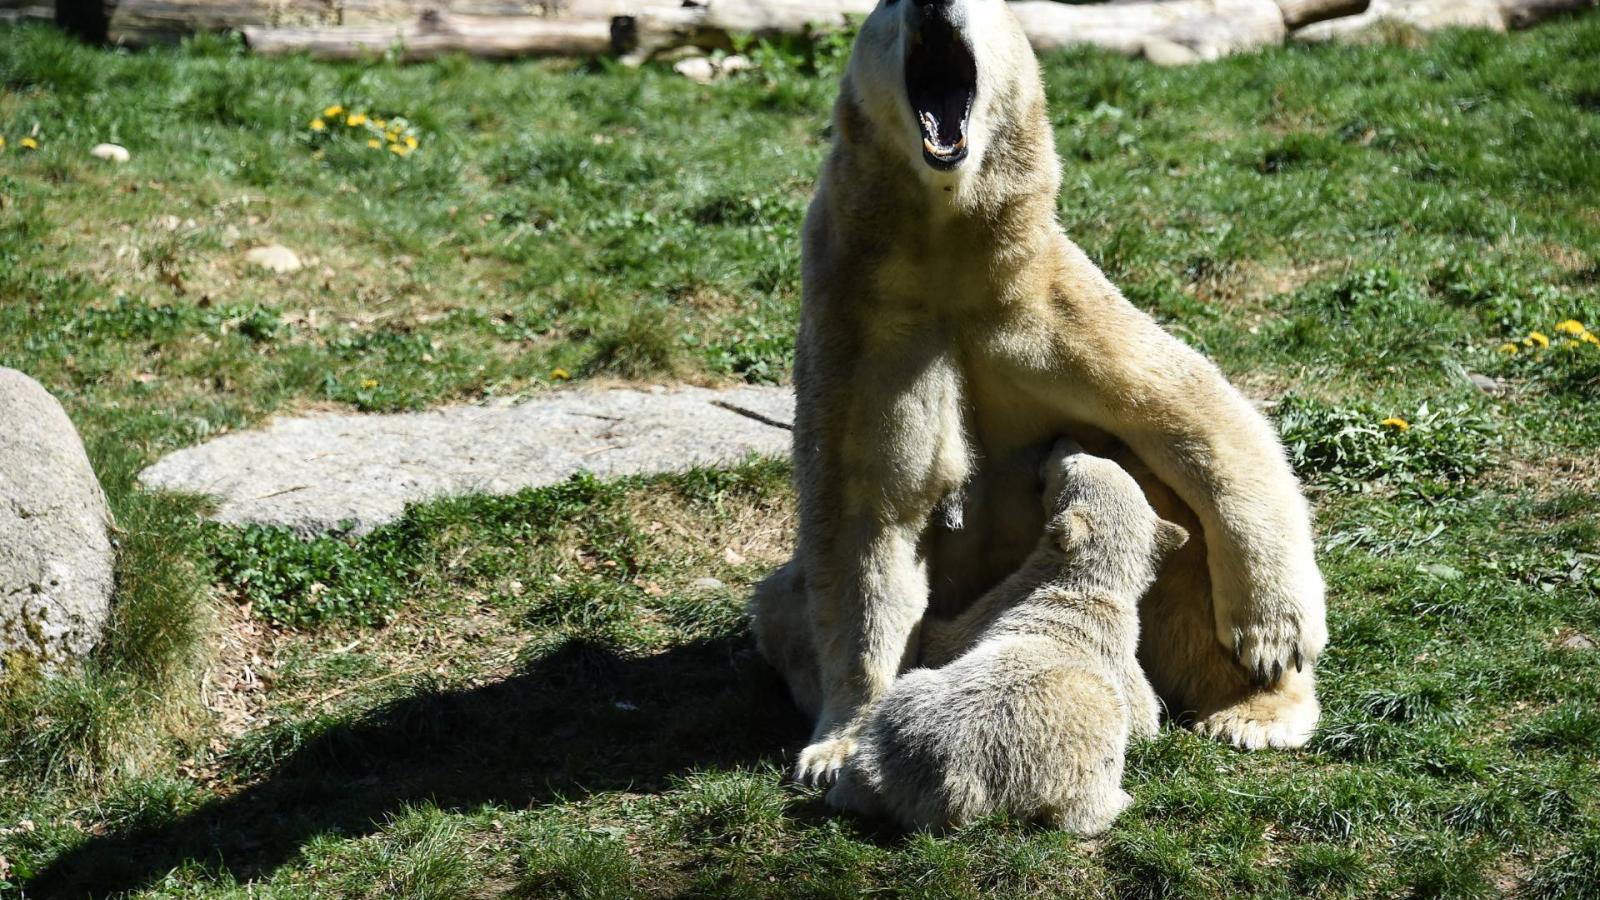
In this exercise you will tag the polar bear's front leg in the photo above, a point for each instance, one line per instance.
(864, 612)
(1203, 439)
(878, 444)
(1222, 458)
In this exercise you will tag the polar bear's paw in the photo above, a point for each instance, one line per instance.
(1273, 633)
(819, 763)
(1283, 718)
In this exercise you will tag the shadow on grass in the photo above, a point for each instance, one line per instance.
(580, 719)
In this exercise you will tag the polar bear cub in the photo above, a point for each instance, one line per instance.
(1033, 691)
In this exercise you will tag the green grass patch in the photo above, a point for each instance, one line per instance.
(551, 693)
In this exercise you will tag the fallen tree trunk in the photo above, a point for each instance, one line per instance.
(1527, 13)
(711, 26)
(1165, 31)
(1434, 15)
(1169, 31)
(1300, 13)
(1297, 13)
(432, 35)
(140, 22)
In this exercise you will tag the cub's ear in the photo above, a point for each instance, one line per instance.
(1169, 538)
(1071, 530)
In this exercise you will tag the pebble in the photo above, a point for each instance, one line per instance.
(1163, 52)
(704, 69)
(110, 152)
(274, 258)
(1491, 386)
(698, 69)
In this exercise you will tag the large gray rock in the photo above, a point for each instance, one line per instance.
(56, 572)
(325, 473)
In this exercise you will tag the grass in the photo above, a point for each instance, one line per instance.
(541, 695)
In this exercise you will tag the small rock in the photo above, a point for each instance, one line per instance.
(734, 63)
(274, 258)
(1491, 386)
(732, 557)
(1440, 571)
(704, 69)
(56, 559)
(110, 152)
(1577, 640)
(709, 584)
(698, 69)
(1163, 52)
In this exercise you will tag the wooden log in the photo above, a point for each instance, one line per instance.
(43, 10)
(1181, 29)
(432, 35)
(1300, 13)
(712, 25)
(1206, 29)
(1422, 15)
(140, 22)
(1528, 13)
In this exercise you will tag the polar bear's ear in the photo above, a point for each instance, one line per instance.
(1169, 537)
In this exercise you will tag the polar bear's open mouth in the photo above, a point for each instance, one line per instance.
(941, 81)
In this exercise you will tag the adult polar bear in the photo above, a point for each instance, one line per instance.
(949, 333)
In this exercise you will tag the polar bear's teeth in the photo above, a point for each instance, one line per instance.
(961, 144)
(928, 146)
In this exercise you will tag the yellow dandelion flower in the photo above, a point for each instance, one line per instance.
(333, 112)
(1589, 338)
(28, 143)
(1570, 326)
(560, 374)
(374, 143)
(398, 150)
(318, 125)
(1570, 344)
(411, 141)
(355, 120)
(369, 383)
(1508, 347)
(1540, 338)
(380, 123)
(1397, 423)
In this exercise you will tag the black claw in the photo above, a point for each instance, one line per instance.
(1277, 670)
(1299, 661)
(1261, 671)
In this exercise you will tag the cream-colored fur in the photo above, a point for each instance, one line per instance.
(1033, 692)
(950, 331)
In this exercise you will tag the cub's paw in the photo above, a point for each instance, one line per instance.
(819, 764)
(1272, 635)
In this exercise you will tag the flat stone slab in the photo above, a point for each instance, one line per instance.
(354, 472)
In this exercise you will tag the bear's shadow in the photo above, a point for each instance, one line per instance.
(580, 719)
